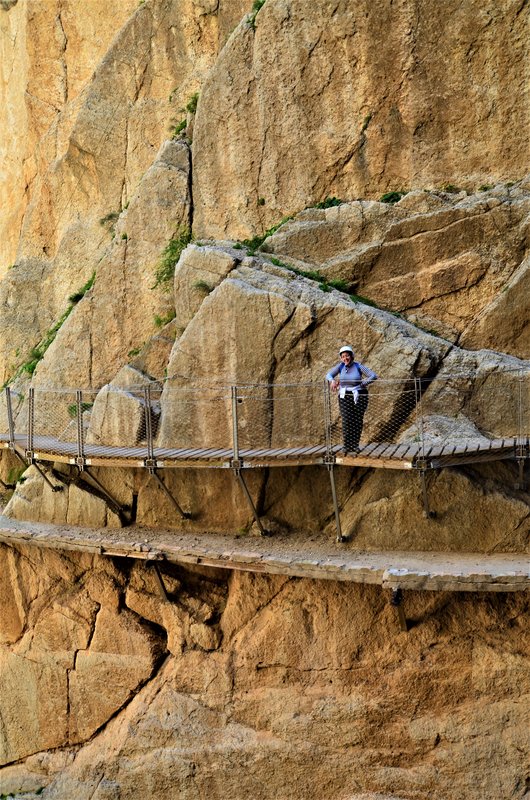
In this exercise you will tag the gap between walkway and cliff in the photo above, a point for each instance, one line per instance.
(297, 555)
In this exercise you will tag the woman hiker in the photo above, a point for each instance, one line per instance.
(350, 378)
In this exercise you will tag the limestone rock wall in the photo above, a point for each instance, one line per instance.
(359, 99)
(256, 684)
(241, 685)
(94, 117)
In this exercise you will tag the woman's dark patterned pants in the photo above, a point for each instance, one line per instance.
(352, 414)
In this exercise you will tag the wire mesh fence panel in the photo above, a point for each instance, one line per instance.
(194, 418)
(16, 402)
(169, 418)
(385, 413)
(281, 416)
(118, 420)
(52, 421)
(475, 408)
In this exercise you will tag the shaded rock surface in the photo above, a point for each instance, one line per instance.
(305, 685)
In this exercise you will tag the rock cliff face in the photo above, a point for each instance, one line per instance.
(139, 142)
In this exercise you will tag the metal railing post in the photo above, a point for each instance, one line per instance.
(31, 423)
(236, 463)
(30, 452)
(149, 428)
(80, 460)
(419, 414)
(421, 433)
(327, 420)
(10, 420)
(521, 449)
(235, 430)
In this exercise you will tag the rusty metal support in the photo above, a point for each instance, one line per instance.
(113, 504)
(521, 483)
(153, 472)
(397, 601)
(340, 537)
(426, 511)
(159, 581)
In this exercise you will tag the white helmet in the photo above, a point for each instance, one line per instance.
(346, 349)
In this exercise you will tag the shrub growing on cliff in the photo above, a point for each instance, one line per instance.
(170, 255)
(391, 197)
(257, 241)
(191, 105)
(256, 7)
(329, 202)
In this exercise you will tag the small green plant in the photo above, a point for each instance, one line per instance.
(77, 296)
(325, 284)
(329, 202)
(451, 188)
(161, 320)
(170, 255)
(202, 286)
(135, 351)
(256, 8)
(72, 408)
(391, 197)
(111, 217)
(238, 246)
(366, 122)
(191, 105)
(257, 241)
(485, 187)
(178, 128)
(15, 474)
(508, 186)
(124, 237)
(260, 201)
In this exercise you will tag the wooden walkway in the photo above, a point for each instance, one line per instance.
(286, 554)
(378, 455)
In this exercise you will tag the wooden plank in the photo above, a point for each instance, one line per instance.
(300, 461)
(401, 451)
(389, 451)
(367, 449)
(435, 450)
(378, 451)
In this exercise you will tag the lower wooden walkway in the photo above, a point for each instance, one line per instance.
(286, 554)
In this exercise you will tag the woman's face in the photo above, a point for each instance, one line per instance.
(346, 358)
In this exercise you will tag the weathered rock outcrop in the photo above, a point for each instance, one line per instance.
(456, 265)
(356, 100)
